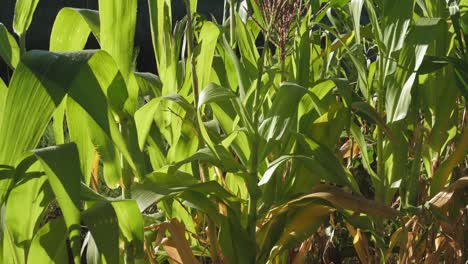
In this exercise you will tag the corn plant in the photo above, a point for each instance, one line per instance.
(291, 131)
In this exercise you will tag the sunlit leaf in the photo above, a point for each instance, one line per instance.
(9, 50)
(24, 11)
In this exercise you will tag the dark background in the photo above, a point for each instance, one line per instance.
(39, 32)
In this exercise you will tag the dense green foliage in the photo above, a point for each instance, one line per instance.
(342, 139)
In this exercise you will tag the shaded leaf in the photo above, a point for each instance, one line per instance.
(62, 167)
(49, 243)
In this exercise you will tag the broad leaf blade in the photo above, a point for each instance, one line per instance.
(24, 12)
(9, 50)
(49, 244)
(72, 28)
(62, 166)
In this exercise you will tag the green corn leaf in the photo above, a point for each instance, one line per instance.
(185, 146)
(7, 178)
(3, 96)
(230, 228)
(9, 50)
(211, 93)
(327, 128)
(83, 22)
(8, 249)
(118, 19)
(30, 103)
(130, 223)
(281, 112)
(62, 167)
(77, 120)
(281, 115)
(208, 39)
(356, 9)
(165, 182)
(364, 109)
(360, 140)
(220, 157)
(247, 48)
(72, 27)
(460, 70)
(418, 41)
(27, 202)
(442, 174)
(59, 118)
(181, 101)
(93, 256)
(302, 59)
(161, 27)
(227, 115)
(107, 219)
(396, 19)
(24, 12)
(49, 244)
(88, 194)
(104, 228)
(149, 83)
(319, 161)
(60, 73)
(225, 106)
(224, 71)
(144, 118)
(241, 75)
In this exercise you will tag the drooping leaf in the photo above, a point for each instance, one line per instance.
(444, 197)
(212, 93)
(72, 27)
(24, 12)
(345, 200)
(9, 50)
(300, 225)
(149, 83)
